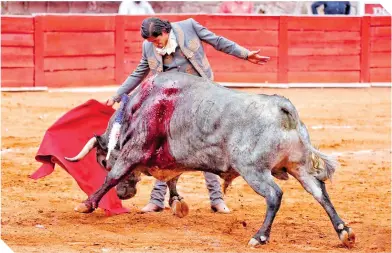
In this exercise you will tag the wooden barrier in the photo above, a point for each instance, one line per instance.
(324, 49)
(78, 50)
(380, 49)
(91, 50)
(17, 51)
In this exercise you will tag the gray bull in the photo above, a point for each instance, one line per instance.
(177, 122)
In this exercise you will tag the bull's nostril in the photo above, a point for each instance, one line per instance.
(104, 163)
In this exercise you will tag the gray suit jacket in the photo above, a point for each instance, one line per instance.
(189, 34)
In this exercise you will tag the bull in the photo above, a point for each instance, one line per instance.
(175, 122)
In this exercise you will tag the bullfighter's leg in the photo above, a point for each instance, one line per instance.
(262, 183)
(157, 198)
(124, 165)
(319, 192)
(176, 202)
(215, 193)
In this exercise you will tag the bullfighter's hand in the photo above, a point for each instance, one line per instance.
(256, 58)
(110, 102)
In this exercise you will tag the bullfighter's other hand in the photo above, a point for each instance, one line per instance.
(256, 58)
(110, 102)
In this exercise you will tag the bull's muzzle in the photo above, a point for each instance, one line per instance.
(86, 149)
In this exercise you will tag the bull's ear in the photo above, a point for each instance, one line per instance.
(101, 142)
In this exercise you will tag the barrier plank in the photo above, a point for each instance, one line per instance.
(380, 21)
(38, 51)
(176, 18)
(78, 23)
(132, 56)
(264, 50)
(382, 31)
(247, 38)
(268, 77)
(9, 50)
(380, 45)
(327, 63)
(17, 25)
(120, 45)
(324, 76)
(78, 62)
(380, 59)
(133, 23)
(380, 75)
(133, 48)
(60, 43)
(242, 22)
(13, 39)
(325, 49)
(133, 37)
(365, 49)
(17, 77)
(72, 78)
(296, 37)
(17, 57)
(283, 50)
(224, 64)
(323, 23)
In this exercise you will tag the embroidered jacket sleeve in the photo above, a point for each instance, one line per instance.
(135, 78)
(218, 42)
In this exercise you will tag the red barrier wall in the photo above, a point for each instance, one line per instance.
(82, 50)
(17, 51)
(322, 50)
(380, 49)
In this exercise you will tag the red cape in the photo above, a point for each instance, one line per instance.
(66, 137)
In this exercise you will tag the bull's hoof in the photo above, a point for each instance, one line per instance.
(83, 208)
(347, 237)
(180, 208)
(253, 243)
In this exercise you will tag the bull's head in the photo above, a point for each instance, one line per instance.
(126, 188)
(100, 143)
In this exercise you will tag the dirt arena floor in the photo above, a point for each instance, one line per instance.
(38, 216)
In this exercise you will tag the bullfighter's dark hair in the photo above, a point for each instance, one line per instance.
(153, 27)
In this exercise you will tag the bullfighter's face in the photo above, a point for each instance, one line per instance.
(160, 41)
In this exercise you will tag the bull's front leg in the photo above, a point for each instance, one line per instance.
(176, 202)
(123, 167)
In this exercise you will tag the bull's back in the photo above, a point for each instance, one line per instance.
(198, 122)
(208, 120)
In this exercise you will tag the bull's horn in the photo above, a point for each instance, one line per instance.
(86, 149)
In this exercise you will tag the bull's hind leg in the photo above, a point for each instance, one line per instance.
(262, 183)
(176, 202)
(319, 192)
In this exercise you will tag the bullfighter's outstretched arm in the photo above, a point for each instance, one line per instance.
(227, 46)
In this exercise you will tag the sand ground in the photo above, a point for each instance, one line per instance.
(38, 216)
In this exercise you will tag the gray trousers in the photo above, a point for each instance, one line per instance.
(212, 183)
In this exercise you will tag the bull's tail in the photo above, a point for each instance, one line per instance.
(325, 168)
(322, 166)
